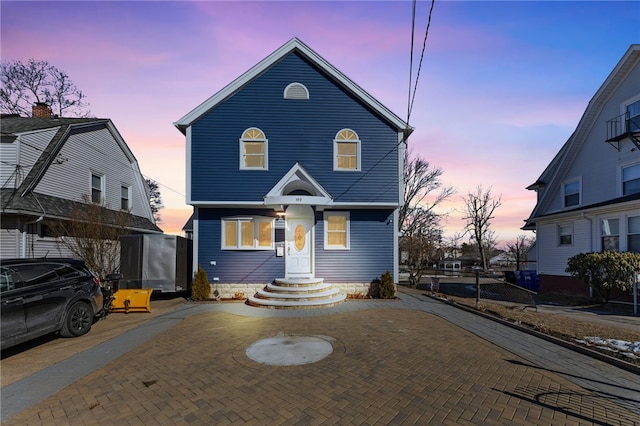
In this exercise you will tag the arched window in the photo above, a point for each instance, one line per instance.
(254, 153)
(296, 91)
(346, 151)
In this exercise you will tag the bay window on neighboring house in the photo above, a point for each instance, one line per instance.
(610, 235)
(633, 234)
(247, 233)
(631, 179)
(565, 235)
(571, 193)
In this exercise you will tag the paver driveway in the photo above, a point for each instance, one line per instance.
(412, 361)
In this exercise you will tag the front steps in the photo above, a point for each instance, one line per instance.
(297, 293)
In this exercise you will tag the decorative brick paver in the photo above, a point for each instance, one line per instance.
(389, 366)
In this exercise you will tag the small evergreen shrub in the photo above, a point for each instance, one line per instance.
(386, 289)
(201, 289)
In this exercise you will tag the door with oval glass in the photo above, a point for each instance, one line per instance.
(299, 241)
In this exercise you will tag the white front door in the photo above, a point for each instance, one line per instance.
(299, 241)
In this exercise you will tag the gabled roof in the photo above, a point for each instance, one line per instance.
(18, 200)
(14, 126)
(297, 179)
(555, 172)
(293, 45)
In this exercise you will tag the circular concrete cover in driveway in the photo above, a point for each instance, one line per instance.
(285, 350)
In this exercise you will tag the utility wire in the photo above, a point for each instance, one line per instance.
(424, 46)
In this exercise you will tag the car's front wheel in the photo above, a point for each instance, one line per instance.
(78, 320)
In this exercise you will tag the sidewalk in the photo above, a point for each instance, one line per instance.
(410, 361)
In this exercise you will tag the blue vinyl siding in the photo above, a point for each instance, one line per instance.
(370, 253)
(298, 131)
(234, 266)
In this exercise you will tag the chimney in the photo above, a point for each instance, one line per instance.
(41, 110)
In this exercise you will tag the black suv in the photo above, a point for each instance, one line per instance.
(41, 296)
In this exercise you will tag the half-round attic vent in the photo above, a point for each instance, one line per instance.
(296, 91)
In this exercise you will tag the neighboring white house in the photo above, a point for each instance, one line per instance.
(588, 197)
(49, 164)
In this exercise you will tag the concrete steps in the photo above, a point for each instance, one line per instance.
(299, 293)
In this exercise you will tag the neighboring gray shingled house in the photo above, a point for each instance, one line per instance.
(49, 164)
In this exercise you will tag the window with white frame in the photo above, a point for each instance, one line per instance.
(633, 115)
(254, 154)
(296, 91)
(631, 179)
(97, 188)
(633, 234)
(571, 193)
(125, 197)
(346, 151)
(336, 230)
(610, 234)
(247, 233)
(565, 235)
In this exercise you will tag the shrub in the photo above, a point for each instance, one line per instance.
(605, 271)
(386, 289)
(201, 289)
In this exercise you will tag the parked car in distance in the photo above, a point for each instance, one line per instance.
(42, 296)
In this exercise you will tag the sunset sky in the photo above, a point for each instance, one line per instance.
(502, 84)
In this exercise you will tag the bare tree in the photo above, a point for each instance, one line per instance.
(39, 82)
(155, 199)
(479, 208)
(419, 221)
(92, 233)
(519, 249)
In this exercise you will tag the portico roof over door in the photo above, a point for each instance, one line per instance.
(297, 187)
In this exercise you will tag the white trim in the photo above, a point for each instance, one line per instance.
(265, 146)
(292, 45)
(563, 203)
(129, 193)
(358, 144)
(396, 248)
(188, 199)
(298, 84)
(271, 204)
(559, 234)
(196, 238)
(297, 178)
(347, 215)
(256, 220)
(620, 174)
(103, 186)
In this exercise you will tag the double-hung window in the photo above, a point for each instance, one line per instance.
(610, 235)
(97, 188)
(247, 233)
(571, 193)
(336, 230)
(633, 116)
(565, 235)
(631, 179)
(125, 197)
(346, 151)
(254, 154)
(633, 234)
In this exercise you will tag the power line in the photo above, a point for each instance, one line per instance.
(424, 46)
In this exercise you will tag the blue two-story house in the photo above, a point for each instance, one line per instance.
(294, 173)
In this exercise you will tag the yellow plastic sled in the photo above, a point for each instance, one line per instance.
(132, 300)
